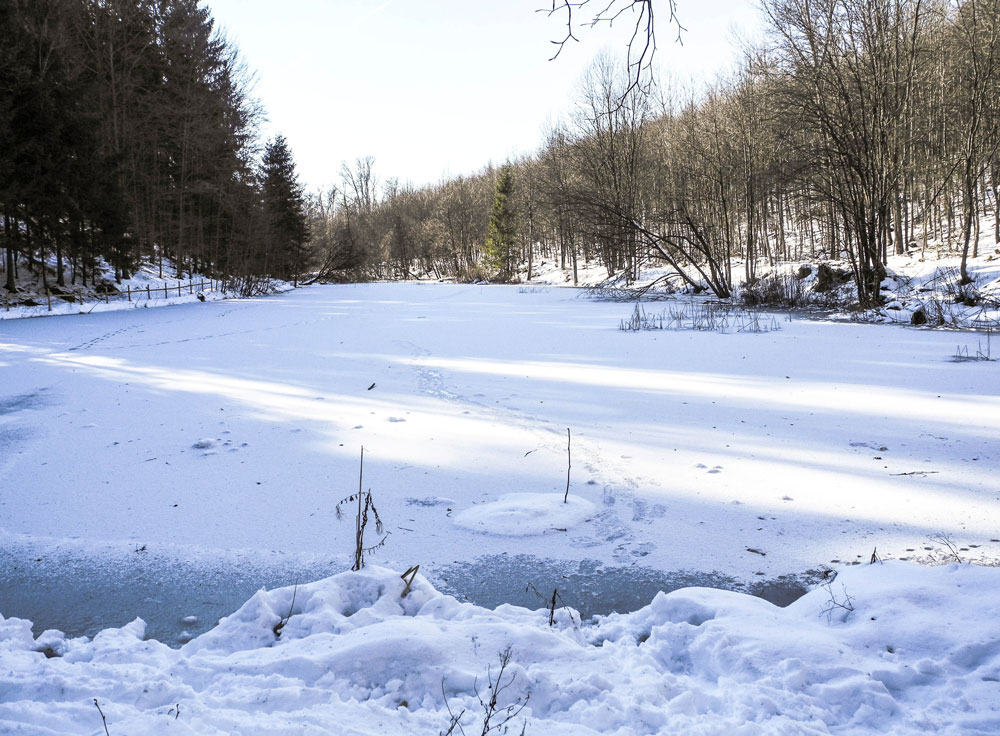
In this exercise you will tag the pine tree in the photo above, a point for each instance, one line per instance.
(499, 248)
(284, 205)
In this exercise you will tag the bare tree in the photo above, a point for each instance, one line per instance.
(848, 68)
(975, 54)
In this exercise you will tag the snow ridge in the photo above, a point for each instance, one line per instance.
(919, 653)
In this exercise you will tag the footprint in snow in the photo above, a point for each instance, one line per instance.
(395, 419)
(429, 501)
(641, 550)
(209, 445)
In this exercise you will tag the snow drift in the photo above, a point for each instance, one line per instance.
(884, 648)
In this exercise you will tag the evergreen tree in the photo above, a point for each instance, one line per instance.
(502, 229)
(127, 131)
(284, 205)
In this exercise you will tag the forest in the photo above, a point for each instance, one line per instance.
(129, 135)
(851, 130)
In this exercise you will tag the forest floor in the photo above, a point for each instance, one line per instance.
(225, 433)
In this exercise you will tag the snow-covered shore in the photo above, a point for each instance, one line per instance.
(146, 288)
(886, 648)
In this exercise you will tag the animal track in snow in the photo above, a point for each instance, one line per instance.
(101, 338)
(212, 445)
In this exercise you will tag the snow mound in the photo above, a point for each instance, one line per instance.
(525, 514)
(915, 650)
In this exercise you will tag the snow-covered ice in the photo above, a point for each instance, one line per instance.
(526, 514)
(842, 437)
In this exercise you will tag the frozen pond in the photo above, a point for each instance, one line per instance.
(168, 462)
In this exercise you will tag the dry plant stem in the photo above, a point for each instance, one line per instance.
(103, 719)
(365, 503)
(551, 603)
(569, 463)
(944, 540)
(454, 721)
(359, 532)
(409, 576)
(281, 624)
(847, 604)
(490, 708)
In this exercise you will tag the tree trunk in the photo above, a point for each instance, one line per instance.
(11, 284)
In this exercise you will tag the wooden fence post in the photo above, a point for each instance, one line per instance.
(129, 287)
(148, 295)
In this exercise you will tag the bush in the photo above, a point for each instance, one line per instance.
(472, 274)
(775, 290)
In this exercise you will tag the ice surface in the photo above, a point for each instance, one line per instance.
(488, 381)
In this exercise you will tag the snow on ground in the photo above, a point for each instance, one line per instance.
(233, 428)
(893, 648)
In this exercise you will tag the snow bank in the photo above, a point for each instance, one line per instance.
(126, 294)
(525, 514)
(909, 650)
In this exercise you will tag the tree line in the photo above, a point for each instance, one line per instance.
(855, 129)
(129, 135)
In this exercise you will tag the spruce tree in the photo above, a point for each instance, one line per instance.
(284, 206)
(499, 249)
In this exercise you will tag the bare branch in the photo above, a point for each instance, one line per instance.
(642, 44)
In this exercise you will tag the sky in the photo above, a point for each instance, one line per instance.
(437, 88)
